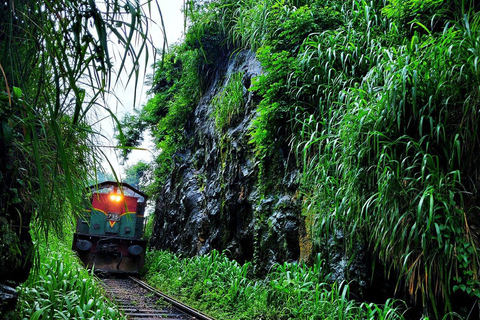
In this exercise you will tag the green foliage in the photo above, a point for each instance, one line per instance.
(135, 173)
(181, 77)
(149, 222)
(10, 248)
(427, 16)
(132, 129)
(176, 90)
(409, 10)
(62, 289)
(289, 86)
(381, 152)
(228, 103)
(291, 291)
(379, 113)
(376, 102)
(272, 111)
(55, 65)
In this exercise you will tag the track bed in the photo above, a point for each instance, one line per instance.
(140, 301)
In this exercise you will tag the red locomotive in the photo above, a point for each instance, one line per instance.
(109, 233)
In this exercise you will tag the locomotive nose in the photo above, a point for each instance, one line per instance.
(135, 250)
(83, 245)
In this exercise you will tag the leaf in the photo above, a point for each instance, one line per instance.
(17, 92)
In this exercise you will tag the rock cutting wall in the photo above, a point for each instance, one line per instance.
(212, 199)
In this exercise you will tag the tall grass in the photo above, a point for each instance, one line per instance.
(229, 103)
(224, 288)
(62, 289)
(382, 155)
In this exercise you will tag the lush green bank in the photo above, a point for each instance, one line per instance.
(377, 103)
(223, 288)
(55, 71)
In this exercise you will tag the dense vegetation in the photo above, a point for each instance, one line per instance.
(61, 288)
(377, 101)
(56, 66)
(224, 289)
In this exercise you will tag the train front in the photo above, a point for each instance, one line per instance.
(109, 234)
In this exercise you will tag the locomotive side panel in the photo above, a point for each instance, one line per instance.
(139, 227)
(97, 222)
(83, 222)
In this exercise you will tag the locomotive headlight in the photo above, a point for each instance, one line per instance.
(115, 197)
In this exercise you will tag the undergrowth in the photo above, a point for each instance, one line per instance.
(60, 288)
(225, 290)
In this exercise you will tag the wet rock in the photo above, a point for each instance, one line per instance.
(8, 298)
(214, 199)
(347, 262)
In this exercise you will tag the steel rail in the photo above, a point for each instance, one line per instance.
(177, 304)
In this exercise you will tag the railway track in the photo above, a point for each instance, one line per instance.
(139, 301)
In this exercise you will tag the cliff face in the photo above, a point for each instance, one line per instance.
(376, 114)
(213, 200)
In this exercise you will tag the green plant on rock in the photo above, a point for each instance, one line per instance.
(386, 159)
(375, 115)
(176, 88)
(274, 109)
(229, 102)
(180, 79)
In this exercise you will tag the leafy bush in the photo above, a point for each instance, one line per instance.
(176, 90)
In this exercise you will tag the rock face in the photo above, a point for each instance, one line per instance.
(212, 199)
